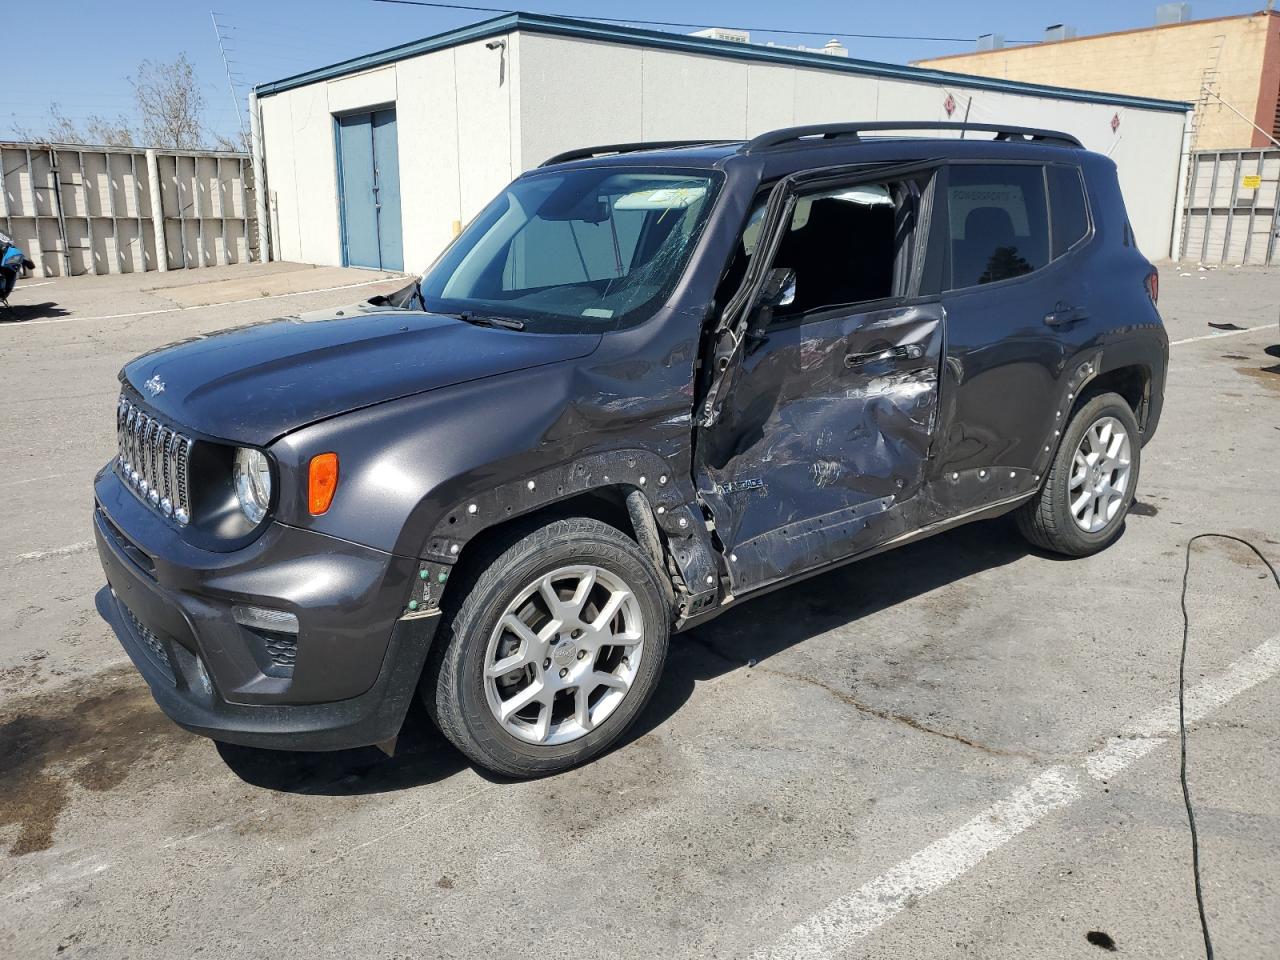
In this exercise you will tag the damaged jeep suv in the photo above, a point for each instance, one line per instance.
(647, 382)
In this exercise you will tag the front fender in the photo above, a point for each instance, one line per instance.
(410, 469)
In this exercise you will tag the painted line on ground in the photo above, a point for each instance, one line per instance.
(71, 548)
(829, 931)
(80, 870)
(18, 483)
(32, 286)
(434, 811)
(171, 842)
(200, 306)
(1220, 334)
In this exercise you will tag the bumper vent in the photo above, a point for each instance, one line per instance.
(282, 648)
(151, 640)
(154, 460)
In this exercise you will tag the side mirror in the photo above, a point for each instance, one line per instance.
(779, 288)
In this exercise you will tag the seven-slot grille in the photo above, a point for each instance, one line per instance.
(153, 460)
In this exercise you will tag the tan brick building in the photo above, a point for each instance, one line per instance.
(1237, 58)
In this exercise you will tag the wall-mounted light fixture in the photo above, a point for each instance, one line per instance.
(502, 58)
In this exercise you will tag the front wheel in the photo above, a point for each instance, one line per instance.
(1091, 484)
(556, 648)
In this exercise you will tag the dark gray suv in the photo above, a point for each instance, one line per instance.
(648, 382)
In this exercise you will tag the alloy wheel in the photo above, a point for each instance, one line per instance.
(1100, 472)
(564, 654)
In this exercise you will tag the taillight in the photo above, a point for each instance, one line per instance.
(1153, 286)
(322, 481)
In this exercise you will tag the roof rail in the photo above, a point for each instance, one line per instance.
(611, 149)
(830, 131)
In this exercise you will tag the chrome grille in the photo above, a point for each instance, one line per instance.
(152, 459)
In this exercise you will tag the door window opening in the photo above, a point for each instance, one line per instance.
(845, 246)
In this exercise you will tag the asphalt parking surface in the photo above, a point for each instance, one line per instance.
(958, 749)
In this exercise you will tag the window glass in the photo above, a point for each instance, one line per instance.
(841, 244)
(998, 220)
(548, 253)
(576, 250)
(1070, 216)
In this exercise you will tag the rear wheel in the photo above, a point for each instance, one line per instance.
(553, 653)
(1082, 505)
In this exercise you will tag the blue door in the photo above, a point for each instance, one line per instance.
(369, 171)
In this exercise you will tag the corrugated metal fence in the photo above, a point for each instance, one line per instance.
(89, 209)
(1231, 207)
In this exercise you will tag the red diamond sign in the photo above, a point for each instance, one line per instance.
(949, 105)
(1115, 122)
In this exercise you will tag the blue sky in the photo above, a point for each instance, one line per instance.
(100, 44)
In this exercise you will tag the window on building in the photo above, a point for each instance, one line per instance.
(999, 222)
(1070, 214)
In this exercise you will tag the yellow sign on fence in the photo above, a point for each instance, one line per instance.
(1251, 181)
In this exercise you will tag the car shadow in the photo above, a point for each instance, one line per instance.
(761, 628)
(748, 634)
(422, 756)
(22, 312)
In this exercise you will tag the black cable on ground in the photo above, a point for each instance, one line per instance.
(1182, 720)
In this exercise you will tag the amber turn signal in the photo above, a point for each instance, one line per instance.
(322, 482)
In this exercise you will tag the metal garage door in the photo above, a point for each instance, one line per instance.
(369, 169)
(1231, 207)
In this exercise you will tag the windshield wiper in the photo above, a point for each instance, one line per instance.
(480, 320)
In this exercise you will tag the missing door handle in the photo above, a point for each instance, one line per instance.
(908, 351)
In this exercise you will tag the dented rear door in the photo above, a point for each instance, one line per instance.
(825, 427)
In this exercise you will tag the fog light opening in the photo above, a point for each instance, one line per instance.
(263, 618)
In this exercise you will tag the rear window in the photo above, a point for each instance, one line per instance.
(1070, 214)
(999, 222)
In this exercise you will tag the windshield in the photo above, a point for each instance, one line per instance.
(578, 251)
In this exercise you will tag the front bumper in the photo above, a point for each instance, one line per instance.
(349, 677)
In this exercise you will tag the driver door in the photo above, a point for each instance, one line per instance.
(825, 417)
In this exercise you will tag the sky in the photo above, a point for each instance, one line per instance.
(99, 45)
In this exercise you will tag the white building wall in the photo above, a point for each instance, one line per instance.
(470, 118)
(579, 92)
(454, 131)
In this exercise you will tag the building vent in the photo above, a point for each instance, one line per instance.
(835, 48)
(1058, 31)
(991, 41)
(1172, 13)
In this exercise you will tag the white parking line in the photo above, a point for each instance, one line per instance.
(932, 868)
(1220, 334)
(17, 483)
(80, 870)
(201, 306)
(66, 551)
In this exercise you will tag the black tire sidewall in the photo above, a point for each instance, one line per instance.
(531, 558)
(1103, 405)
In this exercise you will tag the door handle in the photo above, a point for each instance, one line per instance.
(1062, 315)
(907, 351)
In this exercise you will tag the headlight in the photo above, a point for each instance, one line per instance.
(252, 477)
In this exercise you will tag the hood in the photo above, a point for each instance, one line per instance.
(253, 384)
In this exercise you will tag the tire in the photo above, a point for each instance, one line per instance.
(1048, 520)
(467, 703)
